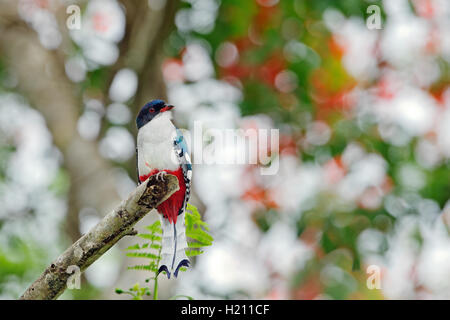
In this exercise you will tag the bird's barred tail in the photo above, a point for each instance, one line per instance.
(173, 255)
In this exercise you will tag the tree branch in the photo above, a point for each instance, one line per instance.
(103, 236)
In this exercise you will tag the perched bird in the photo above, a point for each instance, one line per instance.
(161, 149)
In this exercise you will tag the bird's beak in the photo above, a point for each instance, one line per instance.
(166, 108)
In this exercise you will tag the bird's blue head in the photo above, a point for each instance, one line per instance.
(150, 111)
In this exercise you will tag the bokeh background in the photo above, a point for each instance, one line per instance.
(364, 120)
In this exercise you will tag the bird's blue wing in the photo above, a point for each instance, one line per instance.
(181, 151)
(179, 140)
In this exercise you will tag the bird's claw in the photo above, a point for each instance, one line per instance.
(160, 175)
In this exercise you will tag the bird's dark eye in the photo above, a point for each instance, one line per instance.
(151, 110)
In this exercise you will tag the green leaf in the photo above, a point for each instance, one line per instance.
(150, 237)
(135, 247)
(196, 229)
(192, 253)
(155, 227)
(142, 255)
(195, 245)
(143, 267)
(200, 236)
(135, 287)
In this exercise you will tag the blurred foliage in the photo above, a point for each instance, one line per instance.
(21, 257)
(261, 33)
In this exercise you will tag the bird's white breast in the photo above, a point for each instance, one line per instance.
(155, 145)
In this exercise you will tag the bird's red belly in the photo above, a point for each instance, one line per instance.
(171, 207)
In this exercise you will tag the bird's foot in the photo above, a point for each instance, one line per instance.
(160, 175)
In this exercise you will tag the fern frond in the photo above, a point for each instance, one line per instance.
(195, 245)
(196, 230)
(150, 237)
(134, 247)
(141, 267)
(192, 253)
(155, 227)
(200, 236)
(142, 255)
